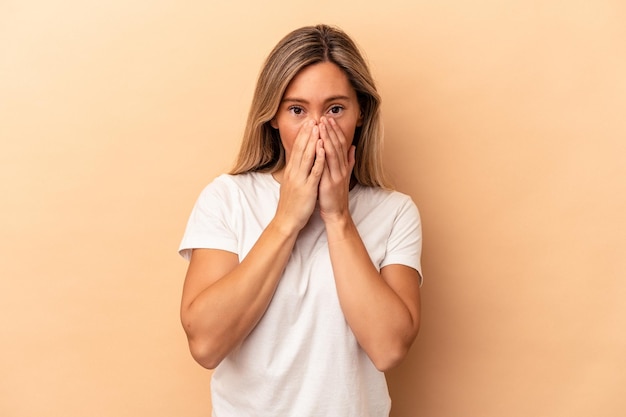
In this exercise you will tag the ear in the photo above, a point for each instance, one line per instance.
(273, 123)
(359, 121)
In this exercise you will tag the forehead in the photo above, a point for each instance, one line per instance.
(318, 81)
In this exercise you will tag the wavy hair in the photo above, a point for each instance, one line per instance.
(262, 149)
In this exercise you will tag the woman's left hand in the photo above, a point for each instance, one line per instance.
(380, 306)
(334, 185)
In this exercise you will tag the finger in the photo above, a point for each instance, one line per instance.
(301, 142)
(332, 134)
(329, 137)
(335, 157)
(318, 166)
(308, 156)
(350, 155)
(338, 133)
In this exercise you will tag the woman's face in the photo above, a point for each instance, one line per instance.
(318, 90)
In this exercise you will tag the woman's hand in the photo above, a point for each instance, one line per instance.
(223, 298)
(381, 307)
(334, 185)
(300, 179)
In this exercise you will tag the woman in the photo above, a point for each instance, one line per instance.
(304, 273)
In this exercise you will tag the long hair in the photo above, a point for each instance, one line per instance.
(262, 149)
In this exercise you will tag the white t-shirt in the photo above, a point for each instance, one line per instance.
(302, 359)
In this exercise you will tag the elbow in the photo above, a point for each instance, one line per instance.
(390, 354)
(390, 358)
(204, 354)
(204, 349)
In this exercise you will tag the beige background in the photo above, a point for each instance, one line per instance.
(504, 121)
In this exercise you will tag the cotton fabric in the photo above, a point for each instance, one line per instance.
(301, 359)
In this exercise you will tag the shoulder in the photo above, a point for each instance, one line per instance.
(228, 185)
(380, 197)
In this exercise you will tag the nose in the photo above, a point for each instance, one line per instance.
(317, 117)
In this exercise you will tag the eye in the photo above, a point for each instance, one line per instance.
(297, 110)
(335, 110)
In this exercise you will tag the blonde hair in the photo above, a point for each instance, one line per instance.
(262, 150)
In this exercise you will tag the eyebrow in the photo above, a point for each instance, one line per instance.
(301, 100)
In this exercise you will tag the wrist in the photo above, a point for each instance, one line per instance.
(339, 227)
(284, 227)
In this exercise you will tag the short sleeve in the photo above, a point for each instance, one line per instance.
(210, 223)
(404, 245)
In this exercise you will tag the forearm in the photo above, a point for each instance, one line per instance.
(381, 321)
(225, 312)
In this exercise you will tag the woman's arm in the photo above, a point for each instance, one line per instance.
(223, 299)
(382, 309)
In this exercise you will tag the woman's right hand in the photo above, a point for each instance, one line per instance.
(224, 298)
(300, 179)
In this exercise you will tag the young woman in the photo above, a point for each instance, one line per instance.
(304, 272)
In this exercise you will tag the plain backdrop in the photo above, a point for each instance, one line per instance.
(505, 121)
